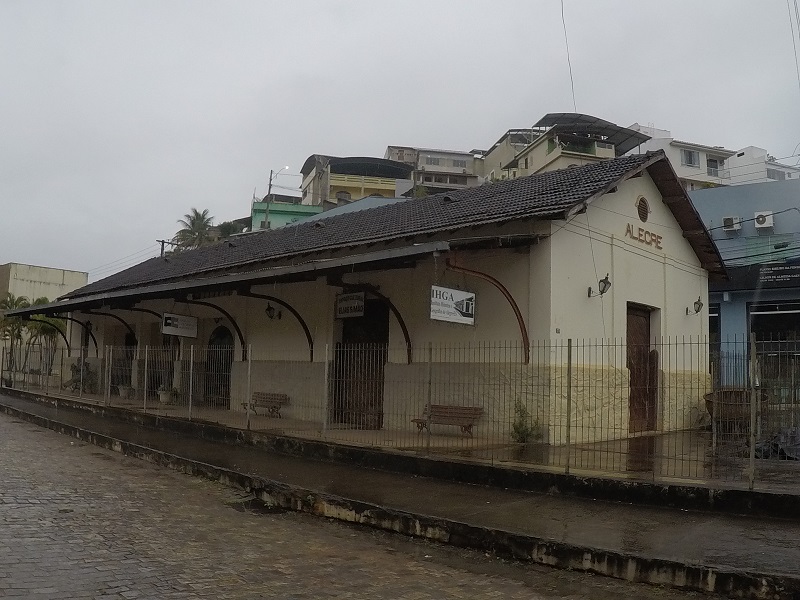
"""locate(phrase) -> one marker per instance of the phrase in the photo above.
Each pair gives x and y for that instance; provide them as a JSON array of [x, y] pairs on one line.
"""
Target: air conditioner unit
[[763, 219], [731, 223]]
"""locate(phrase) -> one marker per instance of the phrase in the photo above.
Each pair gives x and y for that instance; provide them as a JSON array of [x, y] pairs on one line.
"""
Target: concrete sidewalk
[[730, 554]]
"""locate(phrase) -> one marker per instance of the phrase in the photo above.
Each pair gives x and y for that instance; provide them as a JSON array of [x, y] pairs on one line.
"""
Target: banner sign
[[350, 305], [454, 306], [181, 325], [779, 275]]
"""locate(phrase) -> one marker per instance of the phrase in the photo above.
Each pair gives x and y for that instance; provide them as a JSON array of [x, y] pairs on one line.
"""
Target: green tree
[[11, 328], [44, 331], [196, 229], [420, 191], [229, 228]]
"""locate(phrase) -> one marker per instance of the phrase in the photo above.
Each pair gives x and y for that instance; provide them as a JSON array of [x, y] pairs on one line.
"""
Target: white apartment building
[[756, 165], [700, 166]]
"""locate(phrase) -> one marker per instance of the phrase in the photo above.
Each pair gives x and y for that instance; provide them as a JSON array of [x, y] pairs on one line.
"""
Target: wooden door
[[358, 370], [643, 366]]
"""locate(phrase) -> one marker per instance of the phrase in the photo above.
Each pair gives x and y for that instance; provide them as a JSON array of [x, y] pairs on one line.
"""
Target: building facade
[[366, 295], [757, 230], [330, 180], [698, 166], [559, 141], [39, 282], [756, 165], [278, 210], [439, 170]]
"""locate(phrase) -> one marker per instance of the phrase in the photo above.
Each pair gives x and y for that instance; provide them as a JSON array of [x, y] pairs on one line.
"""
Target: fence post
[[80, 382], [569, 402], [144, 383], [191, 378], [3, 367], [327, 384], [108, 371], [429, 399], [753, 408], [61, 372], [248, 389]]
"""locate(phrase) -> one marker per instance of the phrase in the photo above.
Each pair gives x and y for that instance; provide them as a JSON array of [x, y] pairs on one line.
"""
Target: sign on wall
[[350, 305], [181, 325], [454, 306], [779, 275]]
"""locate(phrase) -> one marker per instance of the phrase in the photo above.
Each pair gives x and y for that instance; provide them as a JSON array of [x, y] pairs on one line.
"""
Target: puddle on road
[[252, 505], [102, 456]]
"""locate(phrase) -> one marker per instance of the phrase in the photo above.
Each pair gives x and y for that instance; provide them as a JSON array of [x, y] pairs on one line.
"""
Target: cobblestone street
[[80, 522]]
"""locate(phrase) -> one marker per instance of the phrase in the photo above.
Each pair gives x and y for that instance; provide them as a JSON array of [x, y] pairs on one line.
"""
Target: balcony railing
[[717, 172]]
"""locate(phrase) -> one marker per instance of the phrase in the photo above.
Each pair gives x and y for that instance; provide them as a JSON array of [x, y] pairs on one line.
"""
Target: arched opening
[[219, 359]]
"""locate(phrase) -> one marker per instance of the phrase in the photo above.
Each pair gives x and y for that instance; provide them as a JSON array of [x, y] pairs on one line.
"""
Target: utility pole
[[163, 243], [269, 187]]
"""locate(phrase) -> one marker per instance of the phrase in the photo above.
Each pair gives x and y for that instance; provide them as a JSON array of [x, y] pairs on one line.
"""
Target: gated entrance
[[358, 368], [643, 366], [219, 359]]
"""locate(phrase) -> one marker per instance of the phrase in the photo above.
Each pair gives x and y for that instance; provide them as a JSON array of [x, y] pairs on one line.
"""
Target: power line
[[794, 42], [569, 62], [138, 252]]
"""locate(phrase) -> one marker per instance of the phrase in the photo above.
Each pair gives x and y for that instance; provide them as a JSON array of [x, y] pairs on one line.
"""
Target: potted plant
[[164, 394], [125, 391]]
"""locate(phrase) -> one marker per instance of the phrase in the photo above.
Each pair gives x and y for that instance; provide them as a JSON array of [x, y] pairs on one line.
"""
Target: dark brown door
[[358, 370], [643, 365]]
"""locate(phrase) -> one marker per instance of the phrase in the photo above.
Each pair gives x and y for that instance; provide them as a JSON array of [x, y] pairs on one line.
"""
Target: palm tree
[[196, 229], [11, 327], [43, 331]]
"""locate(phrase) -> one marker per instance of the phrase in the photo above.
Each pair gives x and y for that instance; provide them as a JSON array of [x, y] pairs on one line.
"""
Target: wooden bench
[[449, 414], [270, 401]]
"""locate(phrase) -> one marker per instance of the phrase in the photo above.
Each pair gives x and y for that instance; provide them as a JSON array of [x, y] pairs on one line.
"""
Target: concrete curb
[[685, 496], [506, 544]]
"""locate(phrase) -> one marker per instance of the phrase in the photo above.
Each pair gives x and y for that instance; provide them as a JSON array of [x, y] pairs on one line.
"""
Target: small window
[[460, 163], [343, 195], [431, 160], [525, 163], [428, 178], [690, 158], [776, 174], [440, 179], [643, 208]]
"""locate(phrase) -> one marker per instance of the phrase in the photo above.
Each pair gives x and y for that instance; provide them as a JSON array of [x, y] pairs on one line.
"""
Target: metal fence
[[675, 409]]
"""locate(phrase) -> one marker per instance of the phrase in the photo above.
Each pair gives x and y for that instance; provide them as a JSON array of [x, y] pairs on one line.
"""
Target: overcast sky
[[118, 117]]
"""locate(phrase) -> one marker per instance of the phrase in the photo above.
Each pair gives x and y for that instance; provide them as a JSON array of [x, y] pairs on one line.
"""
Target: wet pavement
[[730, 542], [81, 522]]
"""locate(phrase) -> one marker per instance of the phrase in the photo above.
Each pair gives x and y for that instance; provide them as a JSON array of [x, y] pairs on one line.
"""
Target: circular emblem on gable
[[643, 208]]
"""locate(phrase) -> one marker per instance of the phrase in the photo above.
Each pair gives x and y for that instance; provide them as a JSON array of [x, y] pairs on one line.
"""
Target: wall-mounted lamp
[[696, 307], [602, 287], [272, 313]]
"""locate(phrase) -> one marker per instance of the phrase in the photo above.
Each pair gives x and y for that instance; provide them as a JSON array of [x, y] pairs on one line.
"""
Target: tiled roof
[[546, 195]]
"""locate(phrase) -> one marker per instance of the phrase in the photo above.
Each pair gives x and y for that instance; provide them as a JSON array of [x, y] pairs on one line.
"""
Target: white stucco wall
[[36, 282]]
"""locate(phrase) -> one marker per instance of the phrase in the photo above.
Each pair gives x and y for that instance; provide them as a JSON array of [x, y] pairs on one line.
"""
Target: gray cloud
[[119, 117]]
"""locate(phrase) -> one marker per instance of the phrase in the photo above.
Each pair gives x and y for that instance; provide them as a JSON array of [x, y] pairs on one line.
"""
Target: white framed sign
[[181, 325], [454, 306], [350, 305]]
